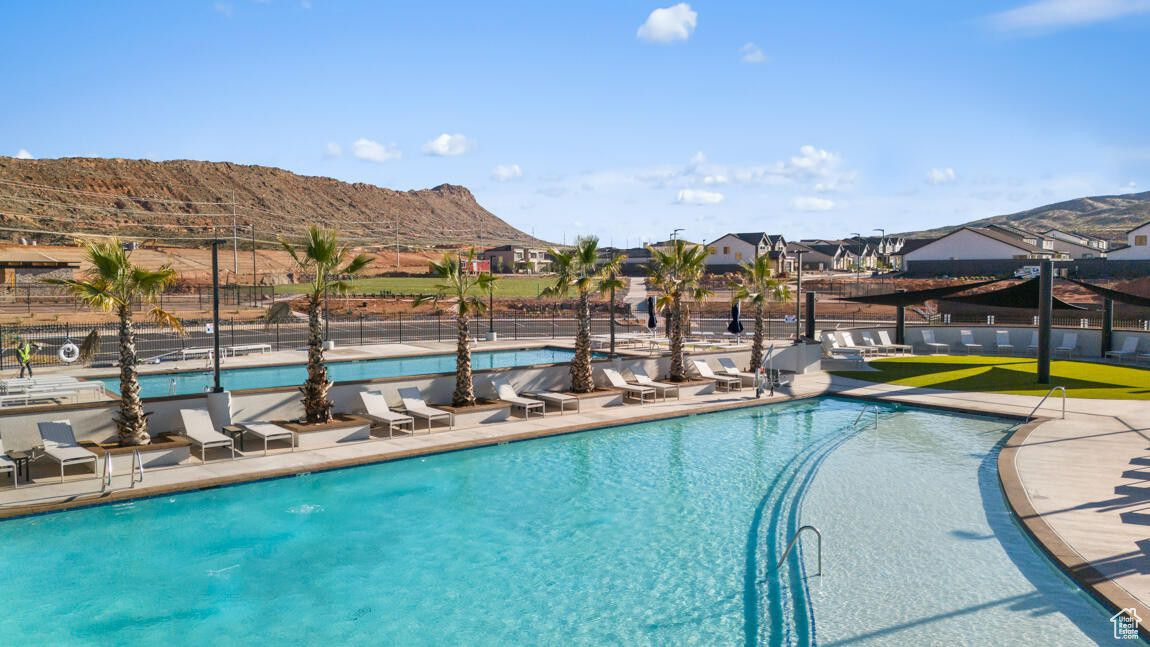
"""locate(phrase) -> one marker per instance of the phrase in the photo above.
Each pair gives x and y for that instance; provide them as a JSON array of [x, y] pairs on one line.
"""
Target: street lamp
[[858, 259], [675, 234], [882, 236]]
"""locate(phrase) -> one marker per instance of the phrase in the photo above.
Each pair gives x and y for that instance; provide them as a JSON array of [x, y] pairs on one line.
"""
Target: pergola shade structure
[[903, 298], [1023, 295]]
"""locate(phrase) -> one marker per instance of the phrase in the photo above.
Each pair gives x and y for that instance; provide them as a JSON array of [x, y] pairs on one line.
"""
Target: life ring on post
[[68, 352]]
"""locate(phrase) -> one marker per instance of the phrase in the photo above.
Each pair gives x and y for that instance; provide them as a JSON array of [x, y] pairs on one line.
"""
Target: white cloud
[[695, 197], [223, 8], [751, 53], [449, 145], [23, 154], [1055, 14], [373, 151], [669, 24], [809, 203], [941, 176], [506, 172], [333, 150]]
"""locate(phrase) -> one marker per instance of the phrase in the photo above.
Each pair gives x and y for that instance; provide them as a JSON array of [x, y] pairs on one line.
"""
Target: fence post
[[401, 327], [2, 349], [552, 324], [277, 335], [515, 324], [438, 326], [232, 330], [361, 330]]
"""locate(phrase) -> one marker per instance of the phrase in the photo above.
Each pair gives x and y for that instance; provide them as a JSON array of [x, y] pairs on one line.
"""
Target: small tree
[[466, 291], [578, 270], [757, 284], [112, 284], [677, 272], [322, 257]]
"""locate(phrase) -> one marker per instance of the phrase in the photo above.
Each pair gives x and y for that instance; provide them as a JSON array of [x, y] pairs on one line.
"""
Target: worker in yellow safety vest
[[24, 354]]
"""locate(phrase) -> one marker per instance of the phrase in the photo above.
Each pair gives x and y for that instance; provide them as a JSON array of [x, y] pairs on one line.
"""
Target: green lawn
[[507, 286], [1009, 375]]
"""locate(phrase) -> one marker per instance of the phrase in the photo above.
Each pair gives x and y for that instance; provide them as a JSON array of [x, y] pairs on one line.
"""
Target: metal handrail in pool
[[1043, 400], [869, 407], [795, 539]]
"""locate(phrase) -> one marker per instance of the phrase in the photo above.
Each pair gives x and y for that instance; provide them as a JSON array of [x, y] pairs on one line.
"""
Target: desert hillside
[[175, 202]]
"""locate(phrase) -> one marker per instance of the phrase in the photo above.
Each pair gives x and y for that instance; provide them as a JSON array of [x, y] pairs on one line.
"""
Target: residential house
[[1076, 245], [728, 252], [824, 256], [978, 243], [1137, 246], [1028, 237], [507, 259]]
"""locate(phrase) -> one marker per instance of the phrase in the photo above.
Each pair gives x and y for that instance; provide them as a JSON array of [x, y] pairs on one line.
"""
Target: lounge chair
[[560, 400], [727, 366], [837, 349], [375, 409], [633, 391], [1033, 345], [966, 338], [507, 393], [725, 381], [8, 465], [199, 429], [1129, 349], [848, 341], [661, 388], [267, 431], [931, 344], [60, 445], [884, 340], [1069, 344], [1002, 341], [414, 404]]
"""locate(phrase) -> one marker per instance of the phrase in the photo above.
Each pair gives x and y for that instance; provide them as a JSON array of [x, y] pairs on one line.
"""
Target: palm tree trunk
[[581, 380], [678, 361], [131, 424], [464, 394], [316, 405], [757, 342]]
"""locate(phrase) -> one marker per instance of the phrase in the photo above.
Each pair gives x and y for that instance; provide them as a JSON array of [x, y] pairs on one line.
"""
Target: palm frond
[[279, 312], [90, 346]]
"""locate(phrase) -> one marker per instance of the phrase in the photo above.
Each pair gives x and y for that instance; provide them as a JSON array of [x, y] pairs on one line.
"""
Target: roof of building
[[994, 234], [1138, 227], [911, 244]]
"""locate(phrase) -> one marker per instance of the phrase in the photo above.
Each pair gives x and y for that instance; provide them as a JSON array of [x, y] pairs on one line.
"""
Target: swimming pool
[[187, 383], [663, 532]]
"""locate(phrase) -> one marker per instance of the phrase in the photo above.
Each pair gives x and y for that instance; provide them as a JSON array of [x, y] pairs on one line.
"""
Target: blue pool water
[[187, 383], [657, 533]]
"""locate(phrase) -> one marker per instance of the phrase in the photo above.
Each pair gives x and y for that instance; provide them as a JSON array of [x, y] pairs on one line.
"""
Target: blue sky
[[622, 118]]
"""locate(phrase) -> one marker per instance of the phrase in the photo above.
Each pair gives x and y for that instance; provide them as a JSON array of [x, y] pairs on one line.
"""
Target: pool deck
[[1080, 485]]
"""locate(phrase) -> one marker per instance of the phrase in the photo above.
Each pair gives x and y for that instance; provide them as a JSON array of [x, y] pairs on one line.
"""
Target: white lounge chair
[[1129, 349], [725, 381], [507, 393], [837, 350], [8, 465], [375, 409], [661, 388], [1033, 345], [727, 366], [1002, 341], [560, 400], [267, 431], [1069, 344], [931, 344], [199, 429], [848, 341], [414, 405], [60, 445], [634, 391], [884, 340], [966, 338]]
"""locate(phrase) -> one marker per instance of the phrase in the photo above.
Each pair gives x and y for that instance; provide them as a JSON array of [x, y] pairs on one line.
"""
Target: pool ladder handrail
[[795, 539], [1038, 406], [137, 472], [869, 407]]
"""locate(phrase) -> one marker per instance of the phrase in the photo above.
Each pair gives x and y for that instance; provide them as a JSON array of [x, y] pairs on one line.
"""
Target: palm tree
[[112, 284], [322, 257], [466, 290], [578, 270], [757, 283], [677, 271]]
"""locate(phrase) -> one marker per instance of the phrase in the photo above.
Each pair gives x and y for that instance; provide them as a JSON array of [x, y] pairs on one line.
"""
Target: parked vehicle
[[1027, 272]]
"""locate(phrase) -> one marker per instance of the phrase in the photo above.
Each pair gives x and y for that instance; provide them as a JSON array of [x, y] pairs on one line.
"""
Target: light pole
[[675, 234], [216, 387]]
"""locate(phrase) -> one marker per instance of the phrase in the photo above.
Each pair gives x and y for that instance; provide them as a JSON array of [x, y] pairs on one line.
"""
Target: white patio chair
[[1069, 344], [930, 343], [200, 430], [375, 409], [1129, 349], [725, 381], [966, 338], [60, 445], [633, 391], [415, 405], [1002, 341]]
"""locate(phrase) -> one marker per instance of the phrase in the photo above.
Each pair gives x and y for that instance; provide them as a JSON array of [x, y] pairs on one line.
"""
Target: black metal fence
[[155, 344]]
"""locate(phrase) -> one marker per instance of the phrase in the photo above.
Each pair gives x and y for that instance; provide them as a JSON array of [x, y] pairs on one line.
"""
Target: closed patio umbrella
[[652, 322], [736, 326]]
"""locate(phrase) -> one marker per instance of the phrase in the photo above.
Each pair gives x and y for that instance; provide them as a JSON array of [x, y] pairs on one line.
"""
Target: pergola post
[[1107, 326], [900, 324], [810, 315], [1045, 312]]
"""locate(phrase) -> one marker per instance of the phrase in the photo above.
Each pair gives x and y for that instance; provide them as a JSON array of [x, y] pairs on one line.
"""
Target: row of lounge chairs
[[843, 345], [24, 391]]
